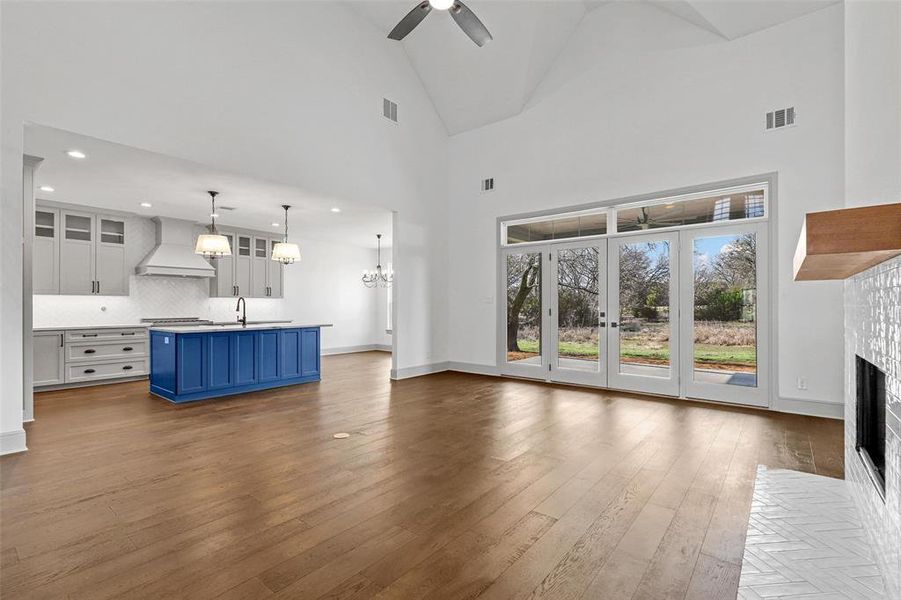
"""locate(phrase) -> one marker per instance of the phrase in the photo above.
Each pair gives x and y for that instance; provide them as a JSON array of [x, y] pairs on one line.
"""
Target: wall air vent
[[777, 119], [389, 110], [488, 184]]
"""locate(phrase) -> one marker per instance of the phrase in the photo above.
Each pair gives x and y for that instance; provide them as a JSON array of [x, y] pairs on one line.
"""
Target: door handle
[[90, 351]]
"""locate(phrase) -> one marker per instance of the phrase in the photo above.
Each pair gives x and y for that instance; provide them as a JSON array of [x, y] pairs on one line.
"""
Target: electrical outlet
[[802, 383]]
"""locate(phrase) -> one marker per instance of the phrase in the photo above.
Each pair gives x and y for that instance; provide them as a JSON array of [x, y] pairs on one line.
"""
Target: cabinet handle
[[91, 351], [127, 367], [98, 286], [61, 338], [88, 335], [89, 371], [129, 333], [93, 286], [127, 349]]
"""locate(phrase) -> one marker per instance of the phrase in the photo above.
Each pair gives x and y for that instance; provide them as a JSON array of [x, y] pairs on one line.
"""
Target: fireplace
[[871, 421]]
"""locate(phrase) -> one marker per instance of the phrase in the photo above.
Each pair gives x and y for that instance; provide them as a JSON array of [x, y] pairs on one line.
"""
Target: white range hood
[[173, 255]]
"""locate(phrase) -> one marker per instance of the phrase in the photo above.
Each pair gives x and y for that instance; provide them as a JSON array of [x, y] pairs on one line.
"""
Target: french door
[[679, 313]]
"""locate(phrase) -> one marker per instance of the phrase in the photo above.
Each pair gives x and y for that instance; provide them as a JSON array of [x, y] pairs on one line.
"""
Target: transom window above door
[[743, 203]]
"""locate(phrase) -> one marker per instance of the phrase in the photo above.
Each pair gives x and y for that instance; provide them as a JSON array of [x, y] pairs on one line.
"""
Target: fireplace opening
[[871, 421]]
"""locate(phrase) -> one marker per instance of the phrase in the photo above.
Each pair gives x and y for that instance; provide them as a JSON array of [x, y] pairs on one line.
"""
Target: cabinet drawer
[[128, 349], [87, 335], [88, 372]]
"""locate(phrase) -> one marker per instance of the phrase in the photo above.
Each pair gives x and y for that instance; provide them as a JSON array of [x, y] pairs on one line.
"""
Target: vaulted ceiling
[[535, 41]]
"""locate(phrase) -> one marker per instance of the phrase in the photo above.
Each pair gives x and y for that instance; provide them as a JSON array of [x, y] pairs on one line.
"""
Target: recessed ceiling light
[[336, 210], [146, 204], [275, 224], [47, 188], [76, 154]]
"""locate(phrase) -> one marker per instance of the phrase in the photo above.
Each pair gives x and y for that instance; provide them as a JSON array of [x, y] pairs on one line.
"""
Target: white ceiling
[[471, 86], [118, 177]]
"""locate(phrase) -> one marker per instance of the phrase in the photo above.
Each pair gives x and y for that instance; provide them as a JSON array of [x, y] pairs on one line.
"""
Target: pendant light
[[212, 245], [285, 252], [378, 278]]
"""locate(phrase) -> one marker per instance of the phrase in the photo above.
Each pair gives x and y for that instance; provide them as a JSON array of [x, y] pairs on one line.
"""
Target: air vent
[[226, 208], [777, 119], [389, 109], [488, 184]]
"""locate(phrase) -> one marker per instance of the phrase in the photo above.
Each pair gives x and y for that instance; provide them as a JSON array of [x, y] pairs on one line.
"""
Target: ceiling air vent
[[389, 109], [488, 184], [784, 117]]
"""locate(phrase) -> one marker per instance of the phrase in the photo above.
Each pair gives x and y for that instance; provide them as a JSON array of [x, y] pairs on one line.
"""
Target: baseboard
[[418, 371], [474, 368], [12, 442], [813, 408], [352, 349]]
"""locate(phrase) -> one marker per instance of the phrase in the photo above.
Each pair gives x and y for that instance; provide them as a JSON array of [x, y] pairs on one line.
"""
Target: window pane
[[577, 309], [725, 309], [644, 329], [725, 207], [560, 228], [524, 308]]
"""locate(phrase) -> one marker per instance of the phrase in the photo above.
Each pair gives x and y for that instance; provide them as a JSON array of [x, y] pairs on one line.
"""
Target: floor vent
[[488, 184], [777, 119], [389, 110]]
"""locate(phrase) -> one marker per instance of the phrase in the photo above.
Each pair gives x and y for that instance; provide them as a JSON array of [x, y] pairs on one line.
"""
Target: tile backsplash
[[149, 297], [873, 331]]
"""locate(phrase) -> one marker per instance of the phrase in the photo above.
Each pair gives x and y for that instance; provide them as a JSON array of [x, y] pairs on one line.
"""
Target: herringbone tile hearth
[[806, 540]]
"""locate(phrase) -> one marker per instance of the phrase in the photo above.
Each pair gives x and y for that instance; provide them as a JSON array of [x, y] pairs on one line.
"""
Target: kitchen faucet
[[243, 318]]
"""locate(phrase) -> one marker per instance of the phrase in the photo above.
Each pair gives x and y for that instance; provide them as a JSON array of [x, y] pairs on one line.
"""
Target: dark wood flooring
[[450, 486]]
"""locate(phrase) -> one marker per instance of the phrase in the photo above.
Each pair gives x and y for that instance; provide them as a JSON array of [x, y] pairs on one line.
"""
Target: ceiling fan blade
[[409, 22], [470, 24]]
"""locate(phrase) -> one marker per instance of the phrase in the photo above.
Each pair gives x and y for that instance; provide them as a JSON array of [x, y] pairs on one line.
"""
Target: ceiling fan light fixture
[[441, 4]]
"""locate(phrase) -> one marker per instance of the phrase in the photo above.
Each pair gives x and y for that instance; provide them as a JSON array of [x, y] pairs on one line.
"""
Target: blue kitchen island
[[208, 361]]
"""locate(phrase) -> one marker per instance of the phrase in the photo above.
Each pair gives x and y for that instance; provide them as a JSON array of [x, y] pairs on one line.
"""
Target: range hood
[[173, 255]]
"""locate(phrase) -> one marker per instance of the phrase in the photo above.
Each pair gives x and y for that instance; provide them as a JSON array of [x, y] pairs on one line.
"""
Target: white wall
[[872, 102], [285, 92], [613, 120]]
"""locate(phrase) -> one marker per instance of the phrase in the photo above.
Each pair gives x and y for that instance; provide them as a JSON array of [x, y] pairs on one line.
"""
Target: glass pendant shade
[[286, 252], [212, 245]]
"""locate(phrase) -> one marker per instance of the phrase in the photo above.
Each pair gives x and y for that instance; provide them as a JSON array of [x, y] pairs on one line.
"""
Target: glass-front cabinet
[[79, 253]]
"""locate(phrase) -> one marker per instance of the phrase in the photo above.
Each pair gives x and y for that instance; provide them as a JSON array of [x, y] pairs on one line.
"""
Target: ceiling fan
[[465, 18]]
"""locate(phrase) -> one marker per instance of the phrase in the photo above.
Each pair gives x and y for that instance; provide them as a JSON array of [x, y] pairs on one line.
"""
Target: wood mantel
[[836, 244]]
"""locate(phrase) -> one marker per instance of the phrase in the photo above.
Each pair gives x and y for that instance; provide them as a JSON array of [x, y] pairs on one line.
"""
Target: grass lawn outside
[[709, 355]]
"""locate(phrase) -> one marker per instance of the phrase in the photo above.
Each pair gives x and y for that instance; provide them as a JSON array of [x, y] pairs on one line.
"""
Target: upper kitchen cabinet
[[79, 253], [250, 270], [45, 266]]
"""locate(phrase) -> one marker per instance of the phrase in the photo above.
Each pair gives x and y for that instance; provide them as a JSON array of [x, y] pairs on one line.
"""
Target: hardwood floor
[[450, 486]]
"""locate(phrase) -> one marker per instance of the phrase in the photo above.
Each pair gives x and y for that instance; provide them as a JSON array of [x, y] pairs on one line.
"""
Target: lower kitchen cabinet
[[49, 358], [196, 366], [78, 356]]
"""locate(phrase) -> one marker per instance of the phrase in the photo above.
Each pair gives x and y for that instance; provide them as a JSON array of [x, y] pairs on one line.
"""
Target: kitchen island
[[208, 361]]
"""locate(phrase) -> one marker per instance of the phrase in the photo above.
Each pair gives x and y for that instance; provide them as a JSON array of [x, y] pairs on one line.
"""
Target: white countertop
[[235, 327], [71, 327]]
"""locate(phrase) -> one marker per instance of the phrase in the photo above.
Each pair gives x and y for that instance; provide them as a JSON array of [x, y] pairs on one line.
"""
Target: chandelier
[[378, 277], [212, 244]]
